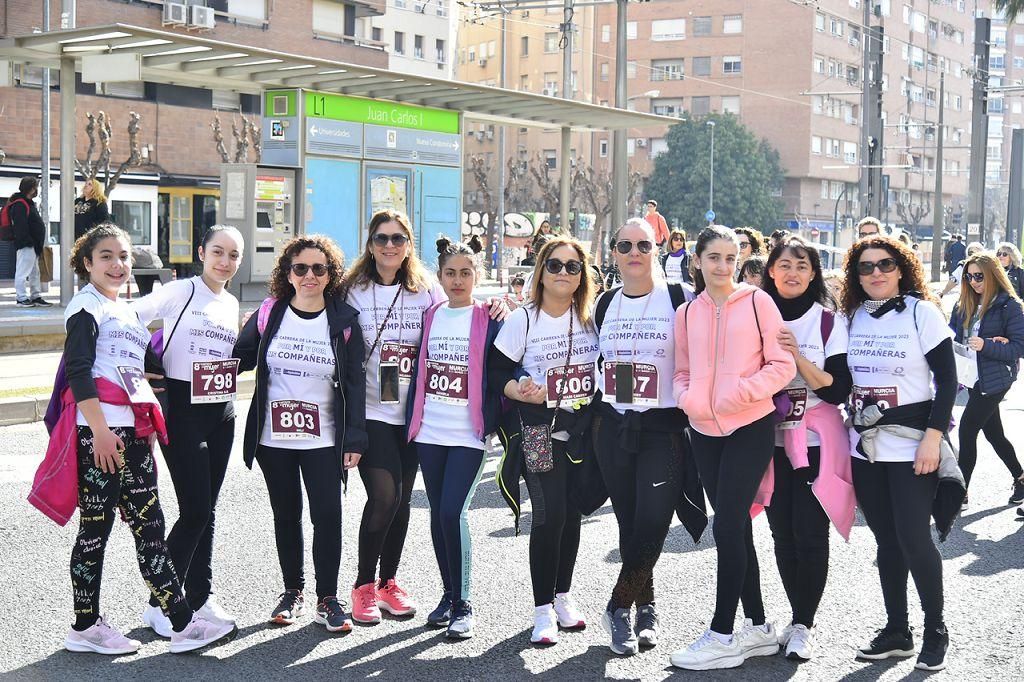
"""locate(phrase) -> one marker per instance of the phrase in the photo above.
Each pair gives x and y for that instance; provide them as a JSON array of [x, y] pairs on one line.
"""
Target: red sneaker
[[364, 604], [395, 600]]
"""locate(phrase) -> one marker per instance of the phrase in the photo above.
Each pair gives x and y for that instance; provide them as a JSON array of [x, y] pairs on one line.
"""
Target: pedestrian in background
[[751, 243], [675, 262], [29, 239], [988, 319], [657, 223], [778, 238], [90, 207], [1009, 257], [957, 273], [955, 252], [752, 271], [869, 226]]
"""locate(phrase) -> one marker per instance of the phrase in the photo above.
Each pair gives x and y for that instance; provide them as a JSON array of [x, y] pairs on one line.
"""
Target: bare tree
[[519, 190], [595, 192], [100, 126], [913, 213], [244, 137], [481, 173]]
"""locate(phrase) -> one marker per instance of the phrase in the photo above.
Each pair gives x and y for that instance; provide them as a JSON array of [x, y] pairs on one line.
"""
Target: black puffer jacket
[[88, 214], [29, 230]]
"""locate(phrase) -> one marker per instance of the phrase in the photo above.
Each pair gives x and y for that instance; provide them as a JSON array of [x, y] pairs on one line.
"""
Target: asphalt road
[[983, 566]]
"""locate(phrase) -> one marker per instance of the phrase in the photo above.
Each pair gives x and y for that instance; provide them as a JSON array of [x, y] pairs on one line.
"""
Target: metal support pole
[[938, 224], [67, 176], [566, 160], [565, 181], [711, 181], [44, 147], [979, 131], [1015, 203], [620, 168], [865, 108], [498, 228]]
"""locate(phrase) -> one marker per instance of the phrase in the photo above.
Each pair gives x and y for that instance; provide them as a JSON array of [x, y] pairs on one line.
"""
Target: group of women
[[651, 394]]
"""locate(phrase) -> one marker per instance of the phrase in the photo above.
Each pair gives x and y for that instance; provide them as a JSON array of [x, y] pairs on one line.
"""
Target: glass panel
[[134, 217]]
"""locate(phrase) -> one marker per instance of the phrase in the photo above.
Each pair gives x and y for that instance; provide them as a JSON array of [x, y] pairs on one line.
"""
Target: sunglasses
[[975, 276], [398, 239], [300, 269], [866, 267], [625, 246], [1003, 254], [554, 266]]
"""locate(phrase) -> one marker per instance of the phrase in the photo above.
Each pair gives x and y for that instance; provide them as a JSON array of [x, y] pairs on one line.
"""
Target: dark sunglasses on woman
[[624, 246], [976, 276], [866, 267], [397, 239], [554, 266], [300, 269]]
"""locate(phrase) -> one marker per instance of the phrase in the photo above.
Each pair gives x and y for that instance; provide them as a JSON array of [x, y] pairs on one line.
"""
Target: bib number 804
[[445, 384]]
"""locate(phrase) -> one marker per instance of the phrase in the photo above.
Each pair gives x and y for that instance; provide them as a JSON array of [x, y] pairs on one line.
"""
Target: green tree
[[1011, 9], [748, 175]]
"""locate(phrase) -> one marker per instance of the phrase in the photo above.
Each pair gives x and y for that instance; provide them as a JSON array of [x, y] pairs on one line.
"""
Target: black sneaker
[[889, 643], [41, 302], [1020, 511], [331, 613], [933, 649], [647, 627], [290, 606], [25, 303], [440, 616], [1018, 492]]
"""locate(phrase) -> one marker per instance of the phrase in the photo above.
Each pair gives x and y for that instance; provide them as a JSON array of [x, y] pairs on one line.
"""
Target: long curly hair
[[279, 285], [84, 246], [911, 272], [412, 274]]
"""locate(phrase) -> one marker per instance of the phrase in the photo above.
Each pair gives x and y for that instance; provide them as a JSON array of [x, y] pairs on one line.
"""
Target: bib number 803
[[296, 420]]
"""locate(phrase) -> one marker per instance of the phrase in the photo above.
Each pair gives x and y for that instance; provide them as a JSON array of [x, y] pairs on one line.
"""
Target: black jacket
[[88, 214], [29, 230], [349, 383], [1016, 275]]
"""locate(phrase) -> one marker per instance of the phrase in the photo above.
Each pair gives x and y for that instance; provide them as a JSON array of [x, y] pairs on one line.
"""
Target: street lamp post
[[711, 184]]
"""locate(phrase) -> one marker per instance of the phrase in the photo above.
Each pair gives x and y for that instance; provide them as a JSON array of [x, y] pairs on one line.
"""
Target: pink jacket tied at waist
[[834, 485], [55, 487]]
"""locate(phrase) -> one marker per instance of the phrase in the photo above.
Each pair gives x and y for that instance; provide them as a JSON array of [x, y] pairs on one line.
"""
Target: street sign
[[709, 216]]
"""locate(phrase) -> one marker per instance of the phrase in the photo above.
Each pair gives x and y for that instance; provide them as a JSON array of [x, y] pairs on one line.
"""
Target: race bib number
[[294, 420], [215, 381], [797, 408], [645, 384], [574, 383], [447, 383], [402, 355], [134, 381], [883, 396]]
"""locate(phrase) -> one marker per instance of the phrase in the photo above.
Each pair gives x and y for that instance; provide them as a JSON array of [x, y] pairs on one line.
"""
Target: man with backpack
[[21, 220]]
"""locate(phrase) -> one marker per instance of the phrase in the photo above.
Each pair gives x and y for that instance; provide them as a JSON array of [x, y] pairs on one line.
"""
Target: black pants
[[388, 471], [982, 414], [800, 531], [320, 472], [197, 454], [731, 468], [554, 528], [897, 505], [644, 488], [132, 489]]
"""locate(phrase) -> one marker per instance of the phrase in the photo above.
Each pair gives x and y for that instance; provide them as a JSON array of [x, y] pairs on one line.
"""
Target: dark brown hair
[[281, 288], [706, 236], [755, 237], [411, 275], [911, 272], [583, 297], [86, 244]]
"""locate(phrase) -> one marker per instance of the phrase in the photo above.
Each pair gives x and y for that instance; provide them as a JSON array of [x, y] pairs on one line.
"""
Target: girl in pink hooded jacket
[[729, 364]]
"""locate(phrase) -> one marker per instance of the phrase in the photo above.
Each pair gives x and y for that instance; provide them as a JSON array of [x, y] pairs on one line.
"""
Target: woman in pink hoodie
[[724, 380]]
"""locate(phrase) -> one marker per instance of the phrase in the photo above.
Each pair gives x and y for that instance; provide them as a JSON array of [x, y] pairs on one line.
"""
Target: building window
[[551, 42], [630, 30], [732, 23], [417, 47], [604, 71], [440, 51], [668, 106], [376, 33], [819, 21], [668, 29], [666, 69], [399, 47], [631, 69], [731, 64], [835, 26], [700, 106], [524, 46], [227, 100], [816, 145], [550, 159], [702, 26], [702, 66], [134, 218], [818, 64], [492, 48], [824, 189], [551, 83], [602, 149], [606, 33], [631, 146], [659, 145], [731, 105]]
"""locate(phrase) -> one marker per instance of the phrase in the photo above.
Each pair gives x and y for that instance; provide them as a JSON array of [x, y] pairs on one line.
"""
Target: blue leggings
[[450, 475]]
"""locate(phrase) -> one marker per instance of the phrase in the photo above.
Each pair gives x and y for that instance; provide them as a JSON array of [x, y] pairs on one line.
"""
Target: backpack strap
[[263, 315], [828, 321], [602, 306], [757, 320], [677, 295], [167, 341]]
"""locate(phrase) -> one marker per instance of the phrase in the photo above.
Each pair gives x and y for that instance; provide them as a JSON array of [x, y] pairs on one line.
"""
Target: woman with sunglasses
[[751, 243], [989, 321], [306, 420], [729, 363], [675, 263], [1009, 258], [899, 348], [551, 344], [638, 430]]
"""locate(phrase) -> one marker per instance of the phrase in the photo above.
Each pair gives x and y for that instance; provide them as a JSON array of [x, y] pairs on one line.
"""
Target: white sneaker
[[801, 644], [709, 653], [569, 616], [213, 612], [545, 625], [100, 638], [758, 640], [157, 621], [785, 634], [198, 634]]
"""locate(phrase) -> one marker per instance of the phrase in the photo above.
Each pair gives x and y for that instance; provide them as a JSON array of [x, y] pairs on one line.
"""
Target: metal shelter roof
[[204, 63]]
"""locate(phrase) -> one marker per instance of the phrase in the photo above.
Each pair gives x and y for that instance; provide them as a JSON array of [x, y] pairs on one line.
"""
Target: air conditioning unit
[[201, 17], [175, 14], [490, 133], [551, 92], [483, 61], [641, 142]]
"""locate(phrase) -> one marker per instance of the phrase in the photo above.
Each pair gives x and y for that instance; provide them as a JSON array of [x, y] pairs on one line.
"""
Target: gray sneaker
[[617, 624], [461, 624], [647, 627]]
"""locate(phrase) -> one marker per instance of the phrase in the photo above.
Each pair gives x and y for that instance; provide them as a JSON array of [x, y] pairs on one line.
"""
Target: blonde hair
[[97, 190], [583, 297], [971, 303], [1012, 250], [412, 274]]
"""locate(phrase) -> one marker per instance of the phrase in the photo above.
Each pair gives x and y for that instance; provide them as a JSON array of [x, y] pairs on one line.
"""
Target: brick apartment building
[[1005, 112]]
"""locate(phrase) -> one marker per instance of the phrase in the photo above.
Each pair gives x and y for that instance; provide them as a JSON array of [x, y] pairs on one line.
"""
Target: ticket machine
[[261, 202]]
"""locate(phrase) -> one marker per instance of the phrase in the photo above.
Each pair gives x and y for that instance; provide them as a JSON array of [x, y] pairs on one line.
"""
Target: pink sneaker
[[395, 600], [364, 604]]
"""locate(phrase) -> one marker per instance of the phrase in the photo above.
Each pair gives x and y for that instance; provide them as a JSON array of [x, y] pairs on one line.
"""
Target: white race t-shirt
[[400, 340], [807, 330], [301, 365], [121, 342], [642, 331], [674, 268], [540, 342], [888, 364], [446, 418], [207, 330]]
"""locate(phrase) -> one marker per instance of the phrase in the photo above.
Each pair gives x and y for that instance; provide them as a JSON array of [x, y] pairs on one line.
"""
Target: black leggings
[[554, 528], [982, 414], [388, 470], [731, 468], [644, 488], [133, 491], [197, 459], [897, 505], [800, 530], [320, 471]]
